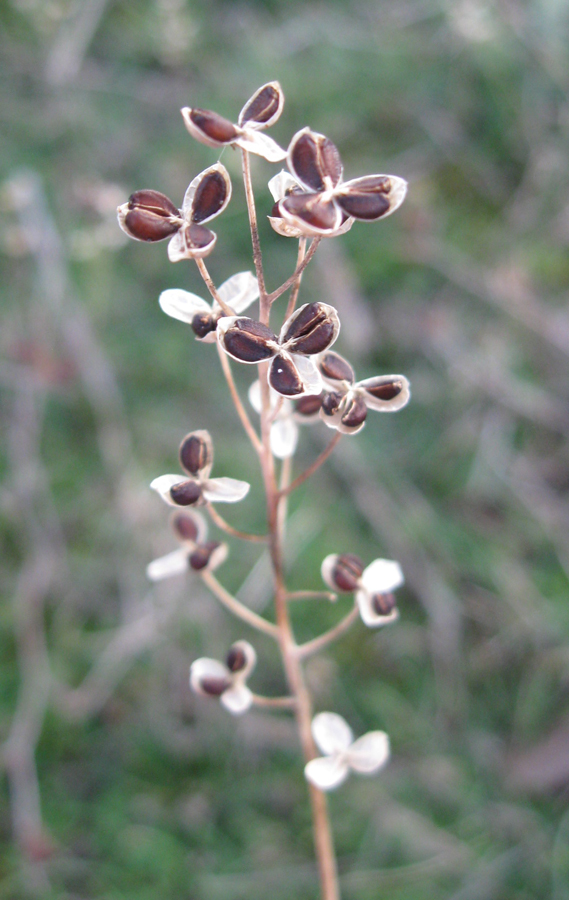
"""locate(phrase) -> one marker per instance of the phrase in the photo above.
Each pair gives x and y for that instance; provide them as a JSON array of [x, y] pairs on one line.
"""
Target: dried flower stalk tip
[[212, 678], [260, 111], [149, 216]]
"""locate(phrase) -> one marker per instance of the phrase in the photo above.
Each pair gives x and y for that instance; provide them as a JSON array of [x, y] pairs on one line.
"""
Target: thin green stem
[[229, 529], [274, 295], [237, 608]]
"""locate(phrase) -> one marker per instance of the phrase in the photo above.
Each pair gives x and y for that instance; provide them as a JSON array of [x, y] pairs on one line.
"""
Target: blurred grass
[[145, 790]]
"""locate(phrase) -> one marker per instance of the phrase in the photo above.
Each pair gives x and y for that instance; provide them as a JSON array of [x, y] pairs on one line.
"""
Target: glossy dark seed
[[198, 236], [236, 659], [386, 390], [195, 453], [347, 572], [147, 226], [214, 686], [202, 555], [335, 367], [214, 126], [203, 324], [185, 527], [315, 158], [262, 106], [310, 208], [153, 201], [383, 604], [331, 402], [309, 405], [355, 412], [210, 195], [186, 493], [284, 378], [366, 207], [249, 341]]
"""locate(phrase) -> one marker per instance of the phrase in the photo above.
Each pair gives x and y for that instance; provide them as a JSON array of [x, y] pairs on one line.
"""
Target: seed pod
[[245, 339], [313, 214], [334, 367], [149, 216], [386, 393], [371, 197], [202, 555], [196, 453], [264, 107], [383, 604], [314, 160], [203, 324], [186, 493], [311, 329], [331, 402], [355, 412], [187, 526], [309, 406], [284, 377], [208, 127], [212, 686], [342, 572]]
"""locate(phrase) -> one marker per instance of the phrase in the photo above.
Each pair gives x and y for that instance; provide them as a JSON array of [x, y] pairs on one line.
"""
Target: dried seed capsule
[[196, 452], [331, 402], [213, 686], [318, 213], [186, 493], [284, 377], [315, 160], [383, 604], [185, 527], [149, 216], [210, 195], [236, 659], [336, 368], [385, 390], [308, 406], [201, 556], [312, 329], [203, 324], [355, 412], [247, 340], [209, 127], [264, 107], [342, 572], [364, 206]]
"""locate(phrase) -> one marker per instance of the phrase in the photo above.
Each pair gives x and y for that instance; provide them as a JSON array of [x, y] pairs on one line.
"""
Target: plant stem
[[323, 640], [315, 465], [298, 271], [241, 411], [212, 289], [274, 702], [312, 595], [294, 293], [237, 608], [229, 529], [257, 256]]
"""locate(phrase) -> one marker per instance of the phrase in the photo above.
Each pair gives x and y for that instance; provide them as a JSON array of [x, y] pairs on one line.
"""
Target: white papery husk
[[327, 772], [280, 186], [378, 405], [207, 668], [174, 563], [382, 576], [334, 738], [237, 699], [284, 430], [214, 490], [238, 292]]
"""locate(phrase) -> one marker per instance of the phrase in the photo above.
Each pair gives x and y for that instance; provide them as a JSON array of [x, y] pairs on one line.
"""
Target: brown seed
[[195, 453], [355, 412], [284, 378], [385, 390], [309, 405], [383, 604], [214, 686], [210, 195], [203, 324], [315, 159], [186, 493], [185, 527], [319, 214], [262, 107], [214, 126], [249, 341], [331, 402], [335, 367], [236, 659], [311, 330], [367, 207], [149, 216], [347, 572], [202, 555]]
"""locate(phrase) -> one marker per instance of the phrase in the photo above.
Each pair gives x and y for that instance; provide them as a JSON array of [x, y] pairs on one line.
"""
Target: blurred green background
[[118, 783]]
